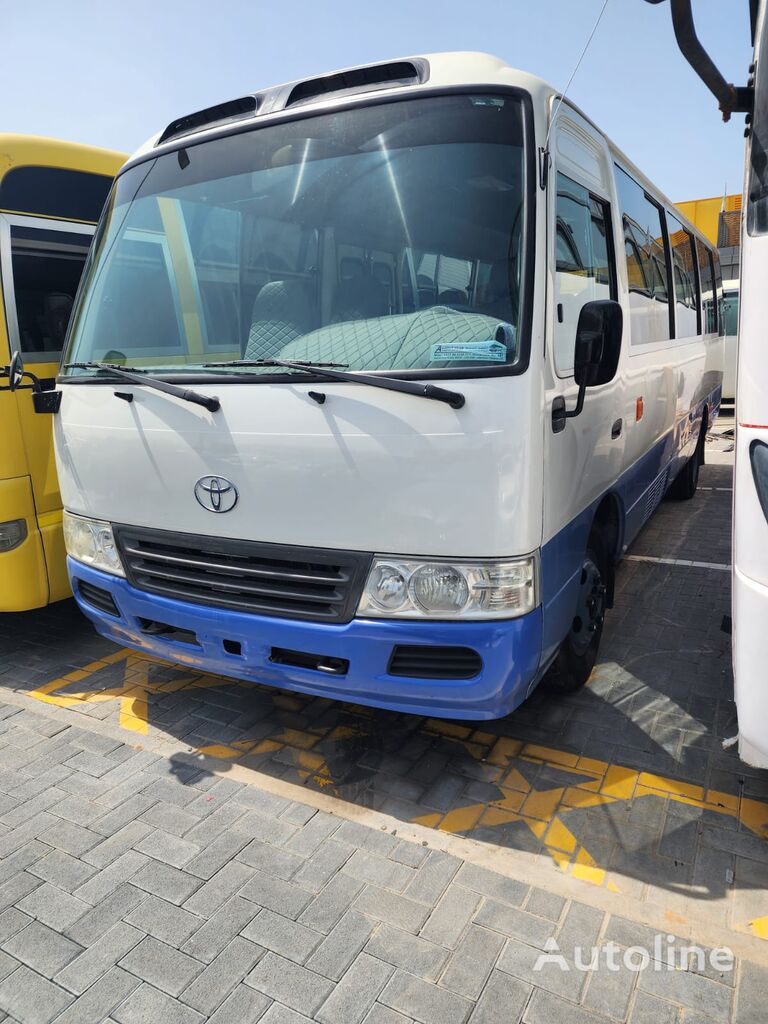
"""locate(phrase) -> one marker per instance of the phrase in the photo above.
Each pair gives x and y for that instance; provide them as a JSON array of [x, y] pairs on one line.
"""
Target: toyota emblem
[[216, 494]]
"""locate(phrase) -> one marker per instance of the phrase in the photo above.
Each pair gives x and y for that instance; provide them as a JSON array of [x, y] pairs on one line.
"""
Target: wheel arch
[[608, 523], [703, 430]]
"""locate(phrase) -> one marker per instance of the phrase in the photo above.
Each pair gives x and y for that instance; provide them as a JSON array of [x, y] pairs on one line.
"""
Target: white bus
[[750, 525], [372, 379], [750, 505]]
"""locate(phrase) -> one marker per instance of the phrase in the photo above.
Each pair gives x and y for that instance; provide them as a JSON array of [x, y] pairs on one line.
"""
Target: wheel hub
[[590, 607]]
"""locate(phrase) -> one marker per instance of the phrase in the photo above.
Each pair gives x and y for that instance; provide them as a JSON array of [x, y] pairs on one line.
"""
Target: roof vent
[[356, 80], [211, 117]]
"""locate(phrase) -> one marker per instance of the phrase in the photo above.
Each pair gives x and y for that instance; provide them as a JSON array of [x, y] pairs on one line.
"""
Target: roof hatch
[[363, 79], [211, 117]]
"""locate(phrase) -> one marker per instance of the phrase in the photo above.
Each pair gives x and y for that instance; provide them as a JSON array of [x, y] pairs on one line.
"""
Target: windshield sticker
[[469, 351]]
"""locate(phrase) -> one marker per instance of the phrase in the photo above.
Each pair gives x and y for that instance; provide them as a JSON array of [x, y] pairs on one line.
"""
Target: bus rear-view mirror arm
[[596, 354], [731, 98]]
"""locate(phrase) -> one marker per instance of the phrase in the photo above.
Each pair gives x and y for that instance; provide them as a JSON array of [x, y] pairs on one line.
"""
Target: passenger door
[[583, 459]]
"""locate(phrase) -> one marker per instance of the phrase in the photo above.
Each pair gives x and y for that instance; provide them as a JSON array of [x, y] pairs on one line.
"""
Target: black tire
[[684, 486], [578, 652]]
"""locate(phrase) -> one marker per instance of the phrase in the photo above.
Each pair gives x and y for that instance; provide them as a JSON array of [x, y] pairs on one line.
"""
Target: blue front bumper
[[510, 650]]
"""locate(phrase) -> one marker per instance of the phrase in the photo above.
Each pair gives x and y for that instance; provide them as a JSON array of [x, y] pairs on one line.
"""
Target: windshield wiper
[[275, 362], [409, 387], [137, 375]]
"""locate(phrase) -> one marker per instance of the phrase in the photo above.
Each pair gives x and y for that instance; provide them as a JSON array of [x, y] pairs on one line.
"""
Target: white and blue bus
[[372, 379], [750, 499], [750, 506]]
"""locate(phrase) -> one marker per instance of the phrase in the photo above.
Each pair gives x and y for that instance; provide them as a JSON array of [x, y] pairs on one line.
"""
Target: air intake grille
[[266, 579], [420, 661], [211, 117], [365, 79], [99, 598]]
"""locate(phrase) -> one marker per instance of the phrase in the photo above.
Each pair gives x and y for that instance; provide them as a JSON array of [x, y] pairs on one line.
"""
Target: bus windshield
[[382, 237]]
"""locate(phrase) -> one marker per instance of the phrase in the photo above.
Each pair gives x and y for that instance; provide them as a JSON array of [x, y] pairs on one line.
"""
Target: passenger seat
[[453, 297], [358, 296], [282, 311]]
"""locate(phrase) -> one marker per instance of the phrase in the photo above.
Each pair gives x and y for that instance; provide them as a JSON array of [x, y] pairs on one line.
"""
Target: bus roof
[[35, 150], [43, 177], [398, 77], [328, 90]]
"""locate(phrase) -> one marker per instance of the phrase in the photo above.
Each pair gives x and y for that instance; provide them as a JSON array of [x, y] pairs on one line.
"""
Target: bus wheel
[[684, 485], [578, 652]]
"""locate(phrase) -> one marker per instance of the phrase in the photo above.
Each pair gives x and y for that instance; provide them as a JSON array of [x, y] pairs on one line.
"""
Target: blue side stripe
[[638, 491]]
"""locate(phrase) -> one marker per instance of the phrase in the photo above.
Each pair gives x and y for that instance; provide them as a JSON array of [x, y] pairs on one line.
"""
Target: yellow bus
[[51, 195]]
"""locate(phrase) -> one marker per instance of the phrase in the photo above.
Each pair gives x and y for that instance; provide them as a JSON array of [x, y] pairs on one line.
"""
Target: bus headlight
[[411, 589], [12, 534], [92, 542]]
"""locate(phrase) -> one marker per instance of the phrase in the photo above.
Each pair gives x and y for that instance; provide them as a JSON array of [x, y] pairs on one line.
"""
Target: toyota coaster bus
[[51, 195], [371, 380]]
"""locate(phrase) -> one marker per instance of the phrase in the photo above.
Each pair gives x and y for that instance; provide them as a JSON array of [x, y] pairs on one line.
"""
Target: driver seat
[[282, 312]]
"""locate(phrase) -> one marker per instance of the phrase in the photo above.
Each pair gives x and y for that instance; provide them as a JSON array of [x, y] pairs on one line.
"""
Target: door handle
[[616, 429]]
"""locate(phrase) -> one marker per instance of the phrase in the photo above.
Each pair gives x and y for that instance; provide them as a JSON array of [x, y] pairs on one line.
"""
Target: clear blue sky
[[112, 73]]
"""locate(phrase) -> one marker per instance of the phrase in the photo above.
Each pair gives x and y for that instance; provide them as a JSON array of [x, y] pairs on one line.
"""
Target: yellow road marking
[[133, 691], [619, 782]]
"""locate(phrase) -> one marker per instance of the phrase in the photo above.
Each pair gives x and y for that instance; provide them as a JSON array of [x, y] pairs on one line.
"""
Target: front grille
[[266, 579], [420, 661], [97, 597]]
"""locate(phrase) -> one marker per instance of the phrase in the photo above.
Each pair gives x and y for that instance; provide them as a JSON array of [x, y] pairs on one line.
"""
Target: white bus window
[[583, 263], [134, 309], [684, 270], [730, 313], [708, 296], [214, 242], [313, 217], [718, 290], [443, 280], [645, 252]]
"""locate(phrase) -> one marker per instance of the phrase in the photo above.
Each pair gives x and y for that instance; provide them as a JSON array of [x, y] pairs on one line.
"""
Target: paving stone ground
[[138, 886], [248, 906]]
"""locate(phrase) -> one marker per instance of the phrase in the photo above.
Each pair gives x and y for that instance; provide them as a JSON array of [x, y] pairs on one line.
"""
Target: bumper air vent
[[357, 80], [98, 598], [319, 584], [317, 662], [167, 632], [420, 661]]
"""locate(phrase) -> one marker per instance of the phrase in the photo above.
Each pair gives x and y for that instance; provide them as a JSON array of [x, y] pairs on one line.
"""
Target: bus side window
[[684, 270], [584, 265], [708, 295], [46, 266], [718, 292], [730, 313], [645, 249]]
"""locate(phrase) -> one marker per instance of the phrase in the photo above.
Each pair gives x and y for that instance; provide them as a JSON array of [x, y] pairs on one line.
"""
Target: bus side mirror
[[14, 372], [598, 343], [596, 355], [43, 401]]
